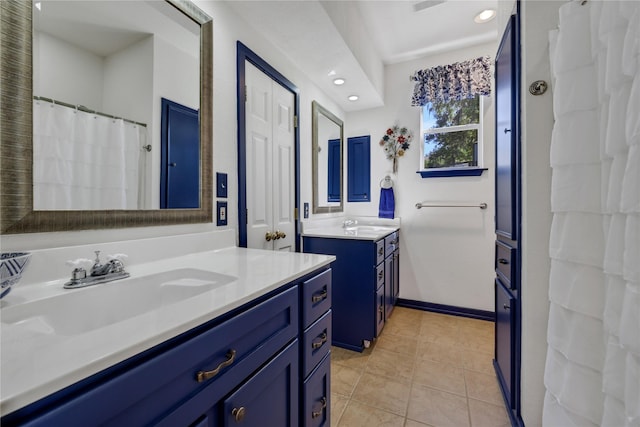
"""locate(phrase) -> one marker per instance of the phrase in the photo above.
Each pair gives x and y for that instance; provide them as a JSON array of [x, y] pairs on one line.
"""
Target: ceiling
[[355, 39]]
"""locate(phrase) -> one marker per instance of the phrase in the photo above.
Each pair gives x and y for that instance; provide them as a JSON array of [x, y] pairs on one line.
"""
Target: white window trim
[[475, 126]]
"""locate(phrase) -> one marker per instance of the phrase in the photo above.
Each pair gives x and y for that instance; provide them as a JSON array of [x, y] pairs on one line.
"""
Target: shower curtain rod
[[86, 110], [420, 205]]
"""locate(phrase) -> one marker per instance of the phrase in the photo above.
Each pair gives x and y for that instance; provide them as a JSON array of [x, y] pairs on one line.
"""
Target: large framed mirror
[[32, 41], [327, 144]]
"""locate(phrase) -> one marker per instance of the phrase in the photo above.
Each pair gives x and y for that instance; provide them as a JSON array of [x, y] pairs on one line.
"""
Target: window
[[451, 134]]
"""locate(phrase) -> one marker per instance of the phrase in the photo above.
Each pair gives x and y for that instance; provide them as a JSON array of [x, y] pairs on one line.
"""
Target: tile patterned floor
[[425, 369]]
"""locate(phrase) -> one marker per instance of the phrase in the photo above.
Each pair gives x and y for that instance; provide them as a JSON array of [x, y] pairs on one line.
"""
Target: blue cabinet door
[[316, 400], [388, 286], [268, 398], [505, 340], [507, 135], [359, 169]]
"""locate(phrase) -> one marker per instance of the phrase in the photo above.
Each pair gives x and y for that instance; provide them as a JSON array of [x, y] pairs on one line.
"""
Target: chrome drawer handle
[[320, 296], [503, 261], [380, 274], [380, 251], [316, 414], [205, 375], [506, 307], [317, 344]]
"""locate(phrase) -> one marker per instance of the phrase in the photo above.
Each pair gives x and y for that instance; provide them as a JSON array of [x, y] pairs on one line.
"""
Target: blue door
[[180, 157]]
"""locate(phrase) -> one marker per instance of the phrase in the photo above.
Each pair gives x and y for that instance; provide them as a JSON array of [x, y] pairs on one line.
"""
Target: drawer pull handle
[[316, 414], [320, 296], [317, 344], [506, 307], [380, 251], [238, 414], [380, 274], [503, 261], [205, 375]]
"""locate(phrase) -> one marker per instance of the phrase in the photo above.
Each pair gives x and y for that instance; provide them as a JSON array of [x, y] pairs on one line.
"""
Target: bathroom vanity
[[366, 276], [252, 349]]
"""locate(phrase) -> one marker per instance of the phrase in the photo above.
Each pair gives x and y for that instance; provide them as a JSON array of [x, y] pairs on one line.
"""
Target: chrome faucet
[[99, 273]]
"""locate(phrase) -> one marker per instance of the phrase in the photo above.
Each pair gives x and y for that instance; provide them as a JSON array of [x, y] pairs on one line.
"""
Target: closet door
[[270, 140]]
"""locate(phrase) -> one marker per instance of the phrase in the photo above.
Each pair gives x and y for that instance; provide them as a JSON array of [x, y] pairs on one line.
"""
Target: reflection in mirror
[[20, 82], [100, 69], [327, 137]]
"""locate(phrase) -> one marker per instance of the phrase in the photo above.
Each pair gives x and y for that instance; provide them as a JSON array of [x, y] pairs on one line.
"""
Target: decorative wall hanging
[[457, 81], [395, 142]]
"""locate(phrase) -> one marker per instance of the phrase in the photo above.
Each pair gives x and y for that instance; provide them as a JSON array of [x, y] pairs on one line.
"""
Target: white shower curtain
[[592, 372], [83, 160]]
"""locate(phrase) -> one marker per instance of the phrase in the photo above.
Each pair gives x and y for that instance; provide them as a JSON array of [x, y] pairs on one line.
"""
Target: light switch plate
[[221, 214], [221, 185], [306, 210]]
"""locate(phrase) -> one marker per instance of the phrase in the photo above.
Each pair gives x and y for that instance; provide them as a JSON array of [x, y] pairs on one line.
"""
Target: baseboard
[[447, 309]]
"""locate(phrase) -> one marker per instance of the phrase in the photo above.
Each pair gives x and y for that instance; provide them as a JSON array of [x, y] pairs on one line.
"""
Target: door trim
[[246, 54]]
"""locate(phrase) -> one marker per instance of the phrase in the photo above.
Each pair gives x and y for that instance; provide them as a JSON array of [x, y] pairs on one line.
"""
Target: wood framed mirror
[[327, 146], [17, 213]]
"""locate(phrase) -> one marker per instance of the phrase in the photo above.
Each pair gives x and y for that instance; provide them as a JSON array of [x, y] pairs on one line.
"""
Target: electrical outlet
[[222, 214]]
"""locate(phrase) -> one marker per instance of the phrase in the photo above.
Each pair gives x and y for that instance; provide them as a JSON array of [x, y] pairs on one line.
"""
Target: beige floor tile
[[437, 408], [487, 415], [483, 387], [478, 361], [338, 404], [412, 423], [351, 359], [478, 342], [344, 380], [360, 415], [441, 376], [383, 393], [441, 333], [397, 343], [404, 329], [438, 352], [392, 365]]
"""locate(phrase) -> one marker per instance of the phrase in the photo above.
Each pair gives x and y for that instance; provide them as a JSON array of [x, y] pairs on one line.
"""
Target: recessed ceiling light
[[353, 97], [485, 16], [332, 73], [339, 81]]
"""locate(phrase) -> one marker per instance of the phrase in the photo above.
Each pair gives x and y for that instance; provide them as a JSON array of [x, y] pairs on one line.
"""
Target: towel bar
[[420, 205]]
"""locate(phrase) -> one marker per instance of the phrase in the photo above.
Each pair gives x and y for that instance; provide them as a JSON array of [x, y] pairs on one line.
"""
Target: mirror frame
[[317, 109], [16, 137]]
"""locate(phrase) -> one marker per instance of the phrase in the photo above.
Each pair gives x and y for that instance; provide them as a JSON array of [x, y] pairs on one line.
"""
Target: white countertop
[[37, 363], [356, 233]]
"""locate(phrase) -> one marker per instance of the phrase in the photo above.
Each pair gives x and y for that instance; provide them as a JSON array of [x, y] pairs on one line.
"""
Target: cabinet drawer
[[390, 243], [316, 342], [505, 263], [505, 339], [379, 251], [379, 275], [316, 396], [316, 297], [254, 335]]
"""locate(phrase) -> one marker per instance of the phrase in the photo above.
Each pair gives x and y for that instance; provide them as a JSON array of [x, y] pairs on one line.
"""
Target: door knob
[[270, 236], [280, 234]]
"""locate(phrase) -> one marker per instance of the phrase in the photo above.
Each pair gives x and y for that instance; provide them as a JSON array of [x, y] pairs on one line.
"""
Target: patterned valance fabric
[[457, 81]]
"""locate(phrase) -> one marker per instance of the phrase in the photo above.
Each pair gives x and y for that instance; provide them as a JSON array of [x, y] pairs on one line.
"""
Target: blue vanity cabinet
[[392, 272], [359, 288], [243, 366], [316, 329]]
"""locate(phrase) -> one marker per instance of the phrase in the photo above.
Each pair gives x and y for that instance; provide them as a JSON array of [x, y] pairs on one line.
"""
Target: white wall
[[538, 18], [66, 73], [446, 253]]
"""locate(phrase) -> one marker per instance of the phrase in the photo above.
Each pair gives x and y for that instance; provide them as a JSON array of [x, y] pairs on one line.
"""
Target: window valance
[[457, 81]]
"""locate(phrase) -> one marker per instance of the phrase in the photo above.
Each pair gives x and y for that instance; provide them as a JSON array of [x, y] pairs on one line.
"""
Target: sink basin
[[101, 305]]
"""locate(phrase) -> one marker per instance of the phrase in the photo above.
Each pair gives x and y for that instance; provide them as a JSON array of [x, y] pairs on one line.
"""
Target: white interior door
[[270, 137]]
